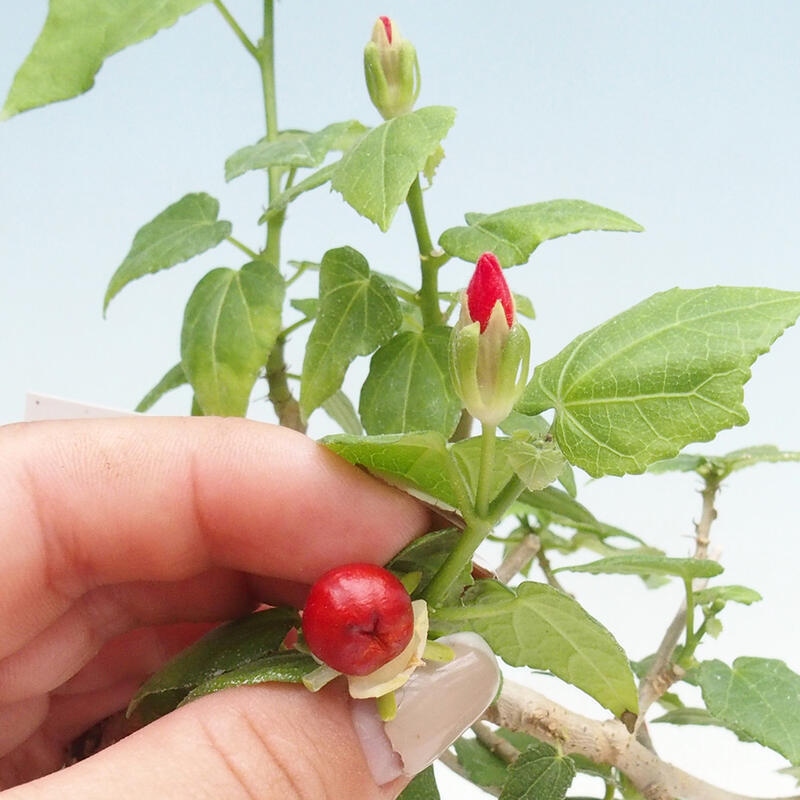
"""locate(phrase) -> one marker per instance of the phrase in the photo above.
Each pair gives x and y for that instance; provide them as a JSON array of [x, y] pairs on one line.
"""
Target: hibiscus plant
[[455, 410]]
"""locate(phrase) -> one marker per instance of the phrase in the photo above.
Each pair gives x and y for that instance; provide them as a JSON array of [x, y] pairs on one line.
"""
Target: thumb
[[256, 742]]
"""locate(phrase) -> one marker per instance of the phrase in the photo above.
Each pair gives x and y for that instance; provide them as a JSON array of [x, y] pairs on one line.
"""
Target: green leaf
[[646, 564], [408, 387], [417, 462], [173, 378], [671, 370], [481, 765], [339, 408], [78, 35], [722, 466], [375, 175], [298, 149], [688, 716], [726, 594], [286, 666], [537, 626], [422, 787], [512, 235], [224, 648], [229, 328], [357, 313], [758, 699], [180, 232], [540, 773], [537, 463]]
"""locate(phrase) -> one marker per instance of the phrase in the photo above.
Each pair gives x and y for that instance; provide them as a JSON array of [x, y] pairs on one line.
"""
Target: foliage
[[624, 397]]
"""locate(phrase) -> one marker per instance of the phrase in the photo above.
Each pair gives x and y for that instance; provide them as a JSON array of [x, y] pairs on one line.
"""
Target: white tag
[[43, 406]]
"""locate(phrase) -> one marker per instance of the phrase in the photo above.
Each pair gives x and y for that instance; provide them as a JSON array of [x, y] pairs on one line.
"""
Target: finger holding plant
[[624, 397]]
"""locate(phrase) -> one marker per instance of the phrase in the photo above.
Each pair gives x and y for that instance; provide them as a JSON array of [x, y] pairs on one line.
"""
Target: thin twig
[[518, 557], [663, 672], [501, 747]]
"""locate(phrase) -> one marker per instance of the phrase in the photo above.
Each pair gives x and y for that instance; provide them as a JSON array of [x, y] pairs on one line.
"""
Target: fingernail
[[437, 704]]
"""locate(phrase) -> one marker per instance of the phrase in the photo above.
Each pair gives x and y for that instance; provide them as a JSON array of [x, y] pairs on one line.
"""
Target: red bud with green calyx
[[489, 349], [391, 70], [357, 618]]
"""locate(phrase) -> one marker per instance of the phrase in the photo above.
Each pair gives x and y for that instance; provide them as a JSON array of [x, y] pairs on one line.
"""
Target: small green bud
[[489, 349], [391, 70]]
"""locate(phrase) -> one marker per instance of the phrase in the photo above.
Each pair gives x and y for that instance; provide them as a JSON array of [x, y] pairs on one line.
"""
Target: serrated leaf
[[513, 234], [180, 232], [375, 175], [357, 313], [408, 387], [758, 699], [301, 149], [537, 626], [540, 773], [287, 666], [173, 378], [224, 648], [671, 370], [722, 466], [645, 564], [537, 463], [78, 35], [417, 462], [422, 787], [229, 328]]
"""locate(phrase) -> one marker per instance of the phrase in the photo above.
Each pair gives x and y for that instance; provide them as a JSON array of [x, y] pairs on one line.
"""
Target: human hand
[[121, 541]]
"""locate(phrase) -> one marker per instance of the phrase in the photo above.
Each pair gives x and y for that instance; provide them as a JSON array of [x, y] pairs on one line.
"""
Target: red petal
[[488, 285]]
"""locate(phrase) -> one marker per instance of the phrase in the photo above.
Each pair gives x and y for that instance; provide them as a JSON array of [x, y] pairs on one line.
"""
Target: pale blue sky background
[[685, 116]]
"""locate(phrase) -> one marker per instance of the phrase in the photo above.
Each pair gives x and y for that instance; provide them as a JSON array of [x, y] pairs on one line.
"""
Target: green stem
[[486, 469], [243, 247], [429, 260], [266, 59], [440, 587], [281, 397], [691, 639], [236, 28]]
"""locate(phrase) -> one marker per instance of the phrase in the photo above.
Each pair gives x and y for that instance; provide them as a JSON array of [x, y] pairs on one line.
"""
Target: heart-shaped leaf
[[375, 175], [409, 387], [357, 313], [229, 328]]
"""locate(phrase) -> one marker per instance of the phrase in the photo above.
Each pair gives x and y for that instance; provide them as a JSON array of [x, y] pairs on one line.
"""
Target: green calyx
[[490, 369]]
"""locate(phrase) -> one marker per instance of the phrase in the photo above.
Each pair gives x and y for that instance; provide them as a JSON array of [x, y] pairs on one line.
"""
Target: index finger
[[90, 503]]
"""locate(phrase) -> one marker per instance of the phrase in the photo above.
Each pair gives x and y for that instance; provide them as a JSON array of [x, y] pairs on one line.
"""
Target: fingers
[[272, 741], [88, 504]]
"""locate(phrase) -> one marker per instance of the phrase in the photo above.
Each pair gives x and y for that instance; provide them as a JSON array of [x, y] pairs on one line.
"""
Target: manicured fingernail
[[437, 704]]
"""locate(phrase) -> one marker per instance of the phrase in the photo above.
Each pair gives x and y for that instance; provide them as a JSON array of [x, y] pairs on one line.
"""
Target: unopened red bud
[[488, 287]]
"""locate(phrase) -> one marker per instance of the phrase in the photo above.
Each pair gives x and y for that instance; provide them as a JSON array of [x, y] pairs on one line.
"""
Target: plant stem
[[439, 589], [429, 260], [236, 28], [243, 247], [281, 397], [266, 60], [486, 469]]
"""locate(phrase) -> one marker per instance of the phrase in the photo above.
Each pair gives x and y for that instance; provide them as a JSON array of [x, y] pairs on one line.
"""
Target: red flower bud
[[387, 26], [487, 287], [357, 618]]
